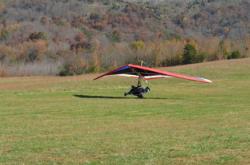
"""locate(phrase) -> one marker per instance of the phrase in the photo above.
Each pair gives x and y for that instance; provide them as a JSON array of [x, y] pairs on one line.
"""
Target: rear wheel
[[140, 96]]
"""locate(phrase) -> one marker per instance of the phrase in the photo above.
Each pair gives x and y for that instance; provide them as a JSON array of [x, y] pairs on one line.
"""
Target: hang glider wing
[[147, 73]]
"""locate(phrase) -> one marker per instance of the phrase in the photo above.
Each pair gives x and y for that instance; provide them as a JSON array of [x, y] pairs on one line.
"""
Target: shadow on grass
[[115, 97]]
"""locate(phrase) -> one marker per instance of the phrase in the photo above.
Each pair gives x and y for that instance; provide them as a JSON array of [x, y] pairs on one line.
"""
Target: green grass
[[52, 120]]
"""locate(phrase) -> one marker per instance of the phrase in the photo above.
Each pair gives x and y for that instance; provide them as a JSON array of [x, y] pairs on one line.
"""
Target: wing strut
[[140, 78]]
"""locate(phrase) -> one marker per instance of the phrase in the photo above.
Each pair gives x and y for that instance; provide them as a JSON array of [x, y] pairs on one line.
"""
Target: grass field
[[74, 120]]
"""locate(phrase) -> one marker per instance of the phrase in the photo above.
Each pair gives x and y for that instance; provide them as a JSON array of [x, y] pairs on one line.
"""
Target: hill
[[221, 18], [96, 35]]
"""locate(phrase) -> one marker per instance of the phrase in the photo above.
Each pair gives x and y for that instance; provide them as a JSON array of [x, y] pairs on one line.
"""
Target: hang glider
[[147, 73]]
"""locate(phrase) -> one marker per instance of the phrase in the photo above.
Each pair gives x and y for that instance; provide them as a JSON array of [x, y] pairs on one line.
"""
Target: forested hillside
[[66, 37]]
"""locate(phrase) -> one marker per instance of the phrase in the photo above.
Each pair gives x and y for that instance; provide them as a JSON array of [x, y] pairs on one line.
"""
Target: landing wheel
[[140, 96]]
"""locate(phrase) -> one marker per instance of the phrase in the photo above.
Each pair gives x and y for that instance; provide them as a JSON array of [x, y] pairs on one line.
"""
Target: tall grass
[[31, 69]]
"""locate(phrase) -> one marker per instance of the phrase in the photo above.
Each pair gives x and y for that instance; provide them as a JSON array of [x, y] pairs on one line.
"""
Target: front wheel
[[147, 89]]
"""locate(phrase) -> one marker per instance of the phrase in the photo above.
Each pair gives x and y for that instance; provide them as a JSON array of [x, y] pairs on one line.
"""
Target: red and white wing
[[147, 73]]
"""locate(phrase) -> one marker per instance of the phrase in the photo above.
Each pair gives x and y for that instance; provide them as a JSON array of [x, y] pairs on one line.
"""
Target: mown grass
[[74, 120]]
